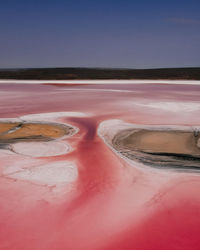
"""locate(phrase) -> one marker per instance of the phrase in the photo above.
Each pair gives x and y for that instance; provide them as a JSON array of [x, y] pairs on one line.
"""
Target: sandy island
[[160, 148], [19, 131]]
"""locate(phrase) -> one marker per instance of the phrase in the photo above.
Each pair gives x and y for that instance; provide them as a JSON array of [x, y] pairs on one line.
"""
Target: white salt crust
[[54, 173], [41, 149]]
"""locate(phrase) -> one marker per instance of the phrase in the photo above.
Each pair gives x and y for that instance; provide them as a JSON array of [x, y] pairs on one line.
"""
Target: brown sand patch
[[11, 132], [4, 127], [160, 148], [178, 142]]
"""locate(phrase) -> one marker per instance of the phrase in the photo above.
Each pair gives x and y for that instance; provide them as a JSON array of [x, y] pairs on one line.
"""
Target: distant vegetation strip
[[99, 73]]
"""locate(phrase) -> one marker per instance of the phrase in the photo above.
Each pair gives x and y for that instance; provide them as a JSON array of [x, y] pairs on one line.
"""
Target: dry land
[[14, 132], [100, 73], [166, 148]]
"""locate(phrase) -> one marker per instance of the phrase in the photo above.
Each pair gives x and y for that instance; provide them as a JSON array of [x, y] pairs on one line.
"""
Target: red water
[[113, 205]]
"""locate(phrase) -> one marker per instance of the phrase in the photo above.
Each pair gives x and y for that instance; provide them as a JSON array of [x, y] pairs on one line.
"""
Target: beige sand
[[167, 148], [177, 142]]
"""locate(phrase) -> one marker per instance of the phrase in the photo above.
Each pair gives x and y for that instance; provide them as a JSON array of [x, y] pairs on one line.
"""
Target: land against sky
[[99, 73]]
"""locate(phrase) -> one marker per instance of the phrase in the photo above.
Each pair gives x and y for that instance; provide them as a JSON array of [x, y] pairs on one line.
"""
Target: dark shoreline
[[100, 74]]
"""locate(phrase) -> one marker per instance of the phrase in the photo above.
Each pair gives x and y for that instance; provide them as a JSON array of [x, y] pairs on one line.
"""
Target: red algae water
[[77, 192]]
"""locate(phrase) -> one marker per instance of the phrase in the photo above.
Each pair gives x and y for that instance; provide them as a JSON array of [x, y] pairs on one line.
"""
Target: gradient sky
[[103, 33]]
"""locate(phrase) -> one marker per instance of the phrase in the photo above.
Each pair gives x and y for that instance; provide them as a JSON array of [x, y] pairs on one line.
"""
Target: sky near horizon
[[104, 33]]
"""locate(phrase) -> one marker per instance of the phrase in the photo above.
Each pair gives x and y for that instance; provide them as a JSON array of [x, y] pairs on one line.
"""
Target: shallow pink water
[[112, 204]]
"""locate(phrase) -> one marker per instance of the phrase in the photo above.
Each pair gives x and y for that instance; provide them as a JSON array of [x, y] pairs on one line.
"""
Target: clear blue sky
[[103, 33]]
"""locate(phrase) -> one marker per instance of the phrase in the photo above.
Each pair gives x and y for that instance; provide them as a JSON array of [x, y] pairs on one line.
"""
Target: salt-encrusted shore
[[190, 82]]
